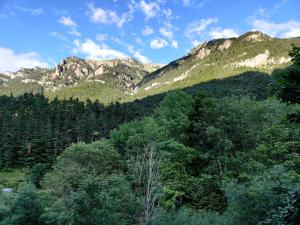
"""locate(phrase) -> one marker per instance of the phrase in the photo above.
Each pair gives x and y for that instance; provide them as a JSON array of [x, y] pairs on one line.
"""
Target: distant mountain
[[218, 59], [70, 71], [118, 74], [127, 79]]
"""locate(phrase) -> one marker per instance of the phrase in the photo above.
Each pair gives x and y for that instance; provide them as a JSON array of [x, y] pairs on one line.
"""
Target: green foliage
[[295, 54], [288, 84], [270, 198], [37, 173], [97, 200], [79, 160], [203, 159], [26, 208], [6, 201], [13, 178], [34, 130], [131, 138], [104, 200], [288, 80], [89, 188], [179, 182], [190, 217], [173, 114]]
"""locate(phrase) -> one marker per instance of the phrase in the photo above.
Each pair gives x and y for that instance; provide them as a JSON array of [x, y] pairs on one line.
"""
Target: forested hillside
[[125, 80], [221, 153], [35, 129]]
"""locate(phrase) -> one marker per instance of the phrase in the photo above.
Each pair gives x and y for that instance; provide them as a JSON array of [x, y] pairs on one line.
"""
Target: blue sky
[[42, 32]]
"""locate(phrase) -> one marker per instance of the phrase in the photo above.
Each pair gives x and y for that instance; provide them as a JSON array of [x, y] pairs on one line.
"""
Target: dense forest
[[195, 159], [32, 129]]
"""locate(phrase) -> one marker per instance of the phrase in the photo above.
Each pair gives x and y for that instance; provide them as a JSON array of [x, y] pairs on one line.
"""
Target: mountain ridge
[[127, 79], [220, 58]]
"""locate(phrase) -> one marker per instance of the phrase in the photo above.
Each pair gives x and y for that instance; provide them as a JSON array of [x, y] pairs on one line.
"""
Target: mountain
[[218, 59], [128, 79], [73, 73]]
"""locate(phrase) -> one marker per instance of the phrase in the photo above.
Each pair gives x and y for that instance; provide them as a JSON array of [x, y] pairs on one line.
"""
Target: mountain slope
[[104, 79], [218, 59], [127, 79]]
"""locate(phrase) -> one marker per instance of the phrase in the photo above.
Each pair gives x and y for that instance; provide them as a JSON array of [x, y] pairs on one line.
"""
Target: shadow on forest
[[254, 84], [39, 124]]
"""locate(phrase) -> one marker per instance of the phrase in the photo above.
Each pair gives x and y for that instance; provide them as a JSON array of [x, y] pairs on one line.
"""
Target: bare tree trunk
[[148, 177]]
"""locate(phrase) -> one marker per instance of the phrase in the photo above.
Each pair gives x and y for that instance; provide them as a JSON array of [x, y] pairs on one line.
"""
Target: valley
[[210, 138]]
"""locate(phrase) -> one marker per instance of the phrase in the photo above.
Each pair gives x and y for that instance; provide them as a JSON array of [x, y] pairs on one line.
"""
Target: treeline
[[36, 130], [197, 160]]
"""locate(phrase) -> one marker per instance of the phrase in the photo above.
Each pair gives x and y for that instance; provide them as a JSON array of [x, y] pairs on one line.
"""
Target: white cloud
[[197, 28], [101, 37], [158, 43], [149, 9], [36, 12], [67, 21], [147, 31], [106, 16], [31, 11], [94, 51], [166, 33], [196, 43], [195, 3], [202, 3], [58, 36], [74, 32], [141, 58], [284, 30], [117, 40], [225, 33], [186, 3], [130, 48], [139, 41], [10, 61], [168, 13], [174, 44]]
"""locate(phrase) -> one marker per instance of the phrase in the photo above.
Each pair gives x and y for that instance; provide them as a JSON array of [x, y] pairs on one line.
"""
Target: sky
[[43, 32]]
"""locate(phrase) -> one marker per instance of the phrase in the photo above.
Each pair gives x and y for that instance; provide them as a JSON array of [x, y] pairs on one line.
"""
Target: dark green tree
[[288, 80], [295, 54], [27, 208], [37, 173], [104, 200]]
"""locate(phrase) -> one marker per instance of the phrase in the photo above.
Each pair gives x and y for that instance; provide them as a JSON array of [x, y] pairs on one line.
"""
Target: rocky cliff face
[[73, 70], [219, 58], [115, 79]]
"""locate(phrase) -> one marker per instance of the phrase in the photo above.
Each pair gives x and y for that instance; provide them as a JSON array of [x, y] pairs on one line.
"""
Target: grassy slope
[[18, 88], [106, 93], [13, 178], [212, 67], [207, 69]]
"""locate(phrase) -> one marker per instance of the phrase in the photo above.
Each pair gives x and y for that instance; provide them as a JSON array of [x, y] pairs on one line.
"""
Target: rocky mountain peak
[[255, 36], [204, 49]]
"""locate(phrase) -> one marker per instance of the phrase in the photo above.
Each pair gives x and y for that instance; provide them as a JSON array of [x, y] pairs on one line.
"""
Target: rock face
[[72, 70], [225, 45], [259, 60], [256, 36], [220, 57], [215, 59]]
